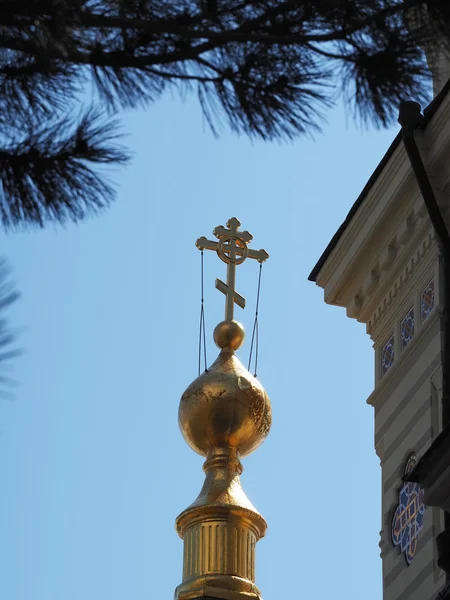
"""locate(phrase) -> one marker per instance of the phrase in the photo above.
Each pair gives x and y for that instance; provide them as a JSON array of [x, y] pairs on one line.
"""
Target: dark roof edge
[[428, 113]]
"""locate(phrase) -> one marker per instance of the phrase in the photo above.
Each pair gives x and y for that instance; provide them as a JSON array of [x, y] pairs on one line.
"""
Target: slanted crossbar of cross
[[232, 248]]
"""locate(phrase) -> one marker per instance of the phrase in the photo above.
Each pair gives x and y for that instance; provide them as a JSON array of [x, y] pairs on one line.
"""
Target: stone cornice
[[366, 271], [409, 268]]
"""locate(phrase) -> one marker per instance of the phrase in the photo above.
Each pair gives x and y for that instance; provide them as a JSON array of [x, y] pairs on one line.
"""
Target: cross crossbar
[[232, 248]]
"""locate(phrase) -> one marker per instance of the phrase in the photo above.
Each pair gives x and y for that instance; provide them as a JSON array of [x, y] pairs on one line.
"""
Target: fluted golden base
[[220, 531]]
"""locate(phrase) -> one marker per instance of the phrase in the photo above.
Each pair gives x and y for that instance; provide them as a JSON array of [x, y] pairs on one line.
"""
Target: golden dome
[[225, 407]]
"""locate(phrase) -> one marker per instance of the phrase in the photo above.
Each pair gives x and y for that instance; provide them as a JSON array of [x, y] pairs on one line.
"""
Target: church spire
[[224, 415]]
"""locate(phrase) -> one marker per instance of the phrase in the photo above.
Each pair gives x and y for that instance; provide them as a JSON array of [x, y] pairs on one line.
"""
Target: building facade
[[384, 267]]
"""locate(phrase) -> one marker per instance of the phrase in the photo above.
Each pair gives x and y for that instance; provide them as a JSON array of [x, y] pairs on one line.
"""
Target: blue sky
[[93, 467]]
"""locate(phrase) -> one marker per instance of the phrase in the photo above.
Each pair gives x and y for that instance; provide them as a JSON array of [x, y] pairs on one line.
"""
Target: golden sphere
[[229, 334], [225, 407]]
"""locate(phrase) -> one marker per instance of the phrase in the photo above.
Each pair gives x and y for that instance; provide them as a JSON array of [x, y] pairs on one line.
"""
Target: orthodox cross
[[232, 248]]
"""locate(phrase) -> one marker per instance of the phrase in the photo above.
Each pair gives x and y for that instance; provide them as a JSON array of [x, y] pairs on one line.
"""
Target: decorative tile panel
[[407, 328], [407, 521], [387, 356], [427, 300]]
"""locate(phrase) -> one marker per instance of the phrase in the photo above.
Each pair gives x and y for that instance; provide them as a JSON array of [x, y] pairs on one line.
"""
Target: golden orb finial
[[229, 335]]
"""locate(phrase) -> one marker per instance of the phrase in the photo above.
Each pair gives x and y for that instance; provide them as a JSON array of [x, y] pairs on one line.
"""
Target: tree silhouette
[[267, 69]]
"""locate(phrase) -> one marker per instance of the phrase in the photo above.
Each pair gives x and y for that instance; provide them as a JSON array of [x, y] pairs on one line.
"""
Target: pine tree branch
[[31, 86], [251, 30], [8, 350], [269, 67], [46, 175]]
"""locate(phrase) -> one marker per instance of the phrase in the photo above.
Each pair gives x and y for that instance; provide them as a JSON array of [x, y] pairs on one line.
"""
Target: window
[[427, 300], [407, 328], [387, 356]]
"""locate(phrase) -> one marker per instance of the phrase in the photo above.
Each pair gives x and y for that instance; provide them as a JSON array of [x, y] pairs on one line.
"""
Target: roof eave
[[428, 113]]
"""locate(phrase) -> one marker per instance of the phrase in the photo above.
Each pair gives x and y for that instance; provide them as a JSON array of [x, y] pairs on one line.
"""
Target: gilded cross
[[232, 248]]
